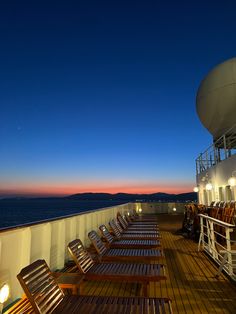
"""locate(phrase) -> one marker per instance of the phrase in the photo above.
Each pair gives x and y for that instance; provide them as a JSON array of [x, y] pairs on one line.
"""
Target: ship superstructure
[[216, 108]]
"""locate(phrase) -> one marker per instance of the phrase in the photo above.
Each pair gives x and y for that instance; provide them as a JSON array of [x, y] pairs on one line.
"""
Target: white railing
[[216, 240], [21, 245], [47, 240], [222, 149]]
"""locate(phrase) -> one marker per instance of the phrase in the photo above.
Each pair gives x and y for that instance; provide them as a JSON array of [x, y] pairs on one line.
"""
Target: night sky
[[100, 95]]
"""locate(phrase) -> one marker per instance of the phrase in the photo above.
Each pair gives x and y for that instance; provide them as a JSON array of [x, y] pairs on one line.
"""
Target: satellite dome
[[216, 99]]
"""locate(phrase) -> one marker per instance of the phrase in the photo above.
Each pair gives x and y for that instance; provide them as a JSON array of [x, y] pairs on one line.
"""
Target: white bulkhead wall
[[218, 176]]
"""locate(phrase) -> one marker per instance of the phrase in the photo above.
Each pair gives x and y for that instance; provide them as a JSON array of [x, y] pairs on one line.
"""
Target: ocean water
[[15, 212]]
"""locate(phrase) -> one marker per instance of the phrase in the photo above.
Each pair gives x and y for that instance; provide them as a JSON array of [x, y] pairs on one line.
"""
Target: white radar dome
[[216, 99]]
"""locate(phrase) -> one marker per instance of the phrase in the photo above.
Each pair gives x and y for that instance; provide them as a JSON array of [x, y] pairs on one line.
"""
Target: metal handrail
[[217, 221], [223, 148], [218, 244]]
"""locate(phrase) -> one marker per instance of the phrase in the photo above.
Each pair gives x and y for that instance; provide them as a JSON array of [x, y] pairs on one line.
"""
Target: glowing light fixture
[[4, 294], [140, 210], [174, 209], [209, 186], [195, 189], [232, 181], [128, 214]]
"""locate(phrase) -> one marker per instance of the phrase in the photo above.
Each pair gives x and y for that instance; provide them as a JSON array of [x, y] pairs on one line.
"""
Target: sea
[[14, 212]]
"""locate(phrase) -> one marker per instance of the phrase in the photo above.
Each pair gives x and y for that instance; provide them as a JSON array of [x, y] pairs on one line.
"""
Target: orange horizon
[[69, 190]]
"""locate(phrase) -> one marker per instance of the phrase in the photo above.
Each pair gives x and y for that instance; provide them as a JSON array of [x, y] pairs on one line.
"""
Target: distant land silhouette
[[191, 196], [128, 197]]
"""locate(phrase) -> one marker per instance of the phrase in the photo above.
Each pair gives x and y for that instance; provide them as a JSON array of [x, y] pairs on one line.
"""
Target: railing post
[[215, 155], [229, 254], [208, 236], [200, 163], [225, 147], [212, 240], [219, 155], [201, 238]]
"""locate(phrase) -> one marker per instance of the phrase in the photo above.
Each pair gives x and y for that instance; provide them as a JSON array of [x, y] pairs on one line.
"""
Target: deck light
[[209, 187], [140, 210], [4, 294], [196, 189], [174, 209], [232, 181]]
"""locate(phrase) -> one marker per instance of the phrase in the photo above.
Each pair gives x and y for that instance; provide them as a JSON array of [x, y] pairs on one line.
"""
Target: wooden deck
[[191, 282]]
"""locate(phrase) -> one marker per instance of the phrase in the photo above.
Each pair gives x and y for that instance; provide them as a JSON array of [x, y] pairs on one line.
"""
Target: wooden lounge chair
[[118, 231], [144, 217], [132, 222], [121, 243], [138, 227], [129, 272], [46, 297], [124, 227], [134, 255], [130, 219]]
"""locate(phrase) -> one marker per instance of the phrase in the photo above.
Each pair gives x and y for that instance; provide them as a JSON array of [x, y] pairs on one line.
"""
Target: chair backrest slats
[[40, 287], [97, 242], [128, 218], [109, 237], [116, 222], [121, 221], [80, 256], [114, 227], [125, 220], [50, 301]]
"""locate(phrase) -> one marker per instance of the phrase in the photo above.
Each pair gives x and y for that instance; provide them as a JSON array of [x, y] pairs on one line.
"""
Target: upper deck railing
[[220, 150]]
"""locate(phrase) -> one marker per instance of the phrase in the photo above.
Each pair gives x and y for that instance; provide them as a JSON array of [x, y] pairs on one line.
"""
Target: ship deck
[[191, 283]]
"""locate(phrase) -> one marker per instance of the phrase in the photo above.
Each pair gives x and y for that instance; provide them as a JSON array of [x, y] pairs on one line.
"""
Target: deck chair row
[[125, 250], [124, 253], [124, 232], [143, 273], [127, 220], [109, 267], [118, 240]]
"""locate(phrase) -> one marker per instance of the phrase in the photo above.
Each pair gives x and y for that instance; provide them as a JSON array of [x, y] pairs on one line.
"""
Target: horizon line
[[49, 195]]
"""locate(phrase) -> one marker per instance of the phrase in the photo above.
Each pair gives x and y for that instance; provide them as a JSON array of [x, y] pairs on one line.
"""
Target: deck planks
[[191, 282]]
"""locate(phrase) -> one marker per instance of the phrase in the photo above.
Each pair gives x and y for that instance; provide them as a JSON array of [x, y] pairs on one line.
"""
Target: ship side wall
[[218, 176]]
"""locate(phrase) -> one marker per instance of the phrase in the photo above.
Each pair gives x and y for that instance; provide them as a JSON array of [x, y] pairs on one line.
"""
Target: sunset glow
[[100, 187], [92, 99]]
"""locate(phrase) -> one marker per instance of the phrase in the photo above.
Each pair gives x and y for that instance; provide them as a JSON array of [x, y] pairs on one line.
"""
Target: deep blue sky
[[100, 95]]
